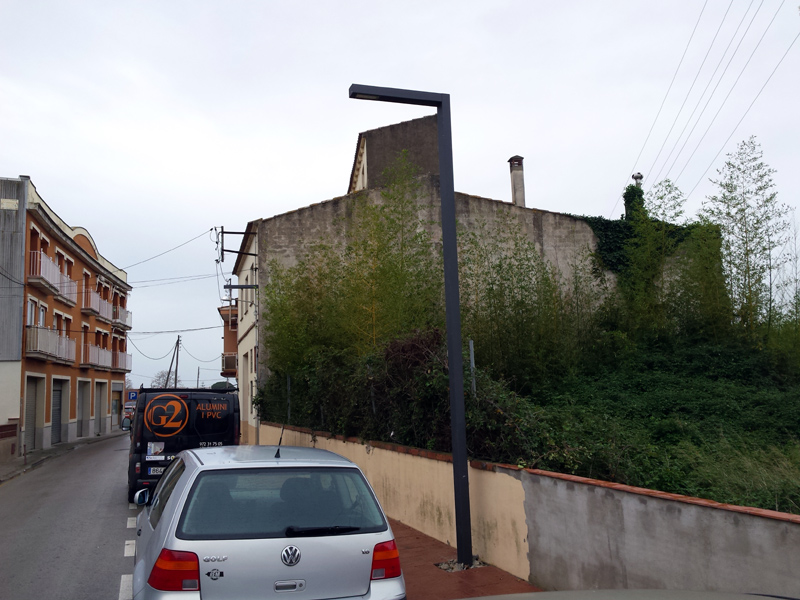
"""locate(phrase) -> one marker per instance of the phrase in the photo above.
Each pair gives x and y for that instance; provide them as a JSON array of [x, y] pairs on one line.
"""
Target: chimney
[[517, 181]]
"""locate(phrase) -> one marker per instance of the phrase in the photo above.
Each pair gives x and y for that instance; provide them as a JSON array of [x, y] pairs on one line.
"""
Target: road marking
[[132, 506], [126, 587], [131, 522], [130, 547]]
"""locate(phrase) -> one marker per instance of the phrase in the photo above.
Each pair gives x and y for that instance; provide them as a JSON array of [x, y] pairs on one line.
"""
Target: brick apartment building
[[63, 327]]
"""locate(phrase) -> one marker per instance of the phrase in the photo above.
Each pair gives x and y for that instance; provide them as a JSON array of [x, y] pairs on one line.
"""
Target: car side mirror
[[126, 424], [141, 497]]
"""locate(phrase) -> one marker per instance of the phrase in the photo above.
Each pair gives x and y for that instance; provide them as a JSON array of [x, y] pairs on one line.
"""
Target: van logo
[[290, 556], [166, 415]]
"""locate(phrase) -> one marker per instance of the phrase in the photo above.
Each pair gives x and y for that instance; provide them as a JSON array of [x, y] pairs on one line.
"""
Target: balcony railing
[[122, 317], [229, 364], [122, 361], [95, 356], [93, 304], [49, 344], [44, 272], [68, 290]]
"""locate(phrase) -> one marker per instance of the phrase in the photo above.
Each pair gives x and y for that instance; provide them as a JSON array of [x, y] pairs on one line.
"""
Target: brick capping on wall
[[489, 466]]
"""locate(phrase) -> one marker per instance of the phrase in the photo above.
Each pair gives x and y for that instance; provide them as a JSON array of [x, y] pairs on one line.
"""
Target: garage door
[[30, 414], [55, 430]]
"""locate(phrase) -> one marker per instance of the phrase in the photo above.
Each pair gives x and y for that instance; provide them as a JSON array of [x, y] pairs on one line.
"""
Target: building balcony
[[93, 304], [122, 318], [120, 361], [48, 344], [44, 273], [230, 364], [67, 290], [97, 357]]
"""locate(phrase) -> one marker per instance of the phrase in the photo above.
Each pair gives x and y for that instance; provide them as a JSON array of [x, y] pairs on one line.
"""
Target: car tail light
[[175, 571], [385, 561], [138, 468]]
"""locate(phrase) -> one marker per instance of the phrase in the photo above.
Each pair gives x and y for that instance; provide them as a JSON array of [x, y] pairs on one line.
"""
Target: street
[[65, 527]]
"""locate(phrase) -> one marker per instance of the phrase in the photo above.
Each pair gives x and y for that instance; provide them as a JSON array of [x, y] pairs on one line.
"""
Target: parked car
[[128, 409], [166, 421], [259, 521]]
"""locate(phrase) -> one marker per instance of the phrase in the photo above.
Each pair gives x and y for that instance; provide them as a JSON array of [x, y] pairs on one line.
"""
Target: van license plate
[[155, 470]]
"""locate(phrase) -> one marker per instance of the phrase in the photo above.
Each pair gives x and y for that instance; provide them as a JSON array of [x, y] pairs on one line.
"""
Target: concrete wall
[[564, 532], [562, 239]]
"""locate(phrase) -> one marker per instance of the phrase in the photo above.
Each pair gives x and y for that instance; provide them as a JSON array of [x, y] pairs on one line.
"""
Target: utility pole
[[177, 357]]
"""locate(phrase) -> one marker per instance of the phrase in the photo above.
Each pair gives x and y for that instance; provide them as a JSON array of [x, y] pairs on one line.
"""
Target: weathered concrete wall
[[564, 532], [562, 239]]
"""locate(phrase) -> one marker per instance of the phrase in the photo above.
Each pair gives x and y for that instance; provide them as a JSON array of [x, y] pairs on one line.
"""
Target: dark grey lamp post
[[452, 309]]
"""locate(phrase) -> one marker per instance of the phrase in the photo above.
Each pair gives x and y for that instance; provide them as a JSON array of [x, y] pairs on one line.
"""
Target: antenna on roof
[[278, 451]]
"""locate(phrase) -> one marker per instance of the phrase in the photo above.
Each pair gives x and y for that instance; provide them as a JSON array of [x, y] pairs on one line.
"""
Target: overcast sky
[[151, 123]]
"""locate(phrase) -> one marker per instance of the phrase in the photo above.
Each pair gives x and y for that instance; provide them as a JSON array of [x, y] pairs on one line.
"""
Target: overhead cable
[[745, 114], [688, 43], [728, 96]]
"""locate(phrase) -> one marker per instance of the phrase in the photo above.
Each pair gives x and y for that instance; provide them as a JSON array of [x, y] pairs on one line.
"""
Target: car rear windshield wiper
[[293, 531]]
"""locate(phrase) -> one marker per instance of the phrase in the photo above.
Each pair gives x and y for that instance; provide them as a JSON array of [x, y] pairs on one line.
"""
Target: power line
[[688, 93], [177, 330], [731, 91], [688, 43], [141, 287], [745, 112], [216, 358], [165, 252], [711, 79], [173, 278], [145, 355]]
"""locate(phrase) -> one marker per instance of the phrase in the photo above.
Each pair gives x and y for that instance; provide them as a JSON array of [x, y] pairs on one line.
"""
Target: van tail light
[[138, 468], [385, 561], [175, 572]]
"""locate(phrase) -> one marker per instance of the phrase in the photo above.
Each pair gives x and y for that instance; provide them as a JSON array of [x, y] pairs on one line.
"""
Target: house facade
[[64, 320], [562, 240]]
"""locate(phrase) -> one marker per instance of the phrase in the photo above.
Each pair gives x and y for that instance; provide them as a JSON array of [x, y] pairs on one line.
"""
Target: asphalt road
[[64, 527]]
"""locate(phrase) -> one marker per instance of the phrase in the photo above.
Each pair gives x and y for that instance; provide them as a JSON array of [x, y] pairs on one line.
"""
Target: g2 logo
[[166, 415]]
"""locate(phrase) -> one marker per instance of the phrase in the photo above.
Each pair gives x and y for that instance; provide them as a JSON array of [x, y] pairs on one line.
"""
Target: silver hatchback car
[[238, 522]]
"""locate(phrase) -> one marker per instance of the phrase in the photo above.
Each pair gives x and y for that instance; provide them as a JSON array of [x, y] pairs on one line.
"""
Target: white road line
[[131, 522], [126, 587], [132, 506], [130, 547]]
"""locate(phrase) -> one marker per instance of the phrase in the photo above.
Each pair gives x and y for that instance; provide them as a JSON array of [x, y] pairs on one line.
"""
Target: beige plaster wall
[[10, 374], [418, 492]]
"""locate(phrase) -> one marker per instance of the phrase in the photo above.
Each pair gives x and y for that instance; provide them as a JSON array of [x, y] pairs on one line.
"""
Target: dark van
[[167, 421]]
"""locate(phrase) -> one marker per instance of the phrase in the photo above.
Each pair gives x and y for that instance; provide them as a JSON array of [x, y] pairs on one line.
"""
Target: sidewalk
[[18, 465], [419, 553]]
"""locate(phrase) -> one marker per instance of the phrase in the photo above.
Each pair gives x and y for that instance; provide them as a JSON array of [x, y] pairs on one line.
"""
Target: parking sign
[[133, 395]]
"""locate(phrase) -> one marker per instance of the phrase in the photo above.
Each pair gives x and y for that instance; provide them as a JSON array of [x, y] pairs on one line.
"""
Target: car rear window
[[279, 502]]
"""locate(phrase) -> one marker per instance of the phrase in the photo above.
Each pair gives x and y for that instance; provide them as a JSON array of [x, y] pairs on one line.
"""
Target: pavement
[[420, 554]]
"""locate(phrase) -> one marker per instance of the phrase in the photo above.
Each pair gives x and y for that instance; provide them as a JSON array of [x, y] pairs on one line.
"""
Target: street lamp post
[[451, 296]]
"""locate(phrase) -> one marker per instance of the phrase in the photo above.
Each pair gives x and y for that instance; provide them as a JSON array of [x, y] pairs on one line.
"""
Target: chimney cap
[[516, 160]]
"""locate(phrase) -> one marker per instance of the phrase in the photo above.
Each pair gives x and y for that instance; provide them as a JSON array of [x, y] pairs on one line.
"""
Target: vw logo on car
[[290, 556]]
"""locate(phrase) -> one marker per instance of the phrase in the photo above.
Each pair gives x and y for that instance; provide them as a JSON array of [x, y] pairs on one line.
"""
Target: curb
[[59, 451]]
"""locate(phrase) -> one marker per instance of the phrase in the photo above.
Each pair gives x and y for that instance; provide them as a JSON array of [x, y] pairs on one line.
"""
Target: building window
[[32, 312], [42, 315]]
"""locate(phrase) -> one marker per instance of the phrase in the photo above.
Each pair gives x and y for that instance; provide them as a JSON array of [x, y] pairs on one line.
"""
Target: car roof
[[265, 456]]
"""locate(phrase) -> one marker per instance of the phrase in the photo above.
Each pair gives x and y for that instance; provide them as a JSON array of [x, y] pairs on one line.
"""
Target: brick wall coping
[[490, 466]]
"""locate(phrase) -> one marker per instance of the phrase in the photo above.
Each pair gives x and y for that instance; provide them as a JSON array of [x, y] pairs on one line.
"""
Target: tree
[[160, 380], [753, 225]]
